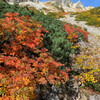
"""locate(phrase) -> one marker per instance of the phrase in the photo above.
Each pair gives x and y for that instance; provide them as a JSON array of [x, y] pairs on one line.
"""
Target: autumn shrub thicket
[[24, 62], [92, 17]]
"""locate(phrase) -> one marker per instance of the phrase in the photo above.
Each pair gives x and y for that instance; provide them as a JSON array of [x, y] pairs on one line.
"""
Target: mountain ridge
[[67, 5]]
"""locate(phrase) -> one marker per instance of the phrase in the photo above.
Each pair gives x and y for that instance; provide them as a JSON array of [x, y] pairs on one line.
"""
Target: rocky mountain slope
[[67, 5]]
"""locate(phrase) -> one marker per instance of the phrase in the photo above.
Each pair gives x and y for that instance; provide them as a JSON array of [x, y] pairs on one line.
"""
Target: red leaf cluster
[[73, 32]]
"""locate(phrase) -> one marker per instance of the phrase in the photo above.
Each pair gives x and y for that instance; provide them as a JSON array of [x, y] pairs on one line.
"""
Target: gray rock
[[94, 97], [54, 89], [52, 96], [83, 97]]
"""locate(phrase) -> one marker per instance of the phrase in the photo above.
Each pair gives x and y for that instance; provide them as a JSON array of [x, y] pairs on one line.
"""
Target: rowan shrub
[[24, 62], [75, 34], [56, 42]]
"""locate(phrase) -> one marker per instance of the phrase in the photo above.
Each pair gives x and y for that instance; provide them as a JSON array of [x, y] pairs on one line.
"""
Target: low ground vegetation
[[92, 17]]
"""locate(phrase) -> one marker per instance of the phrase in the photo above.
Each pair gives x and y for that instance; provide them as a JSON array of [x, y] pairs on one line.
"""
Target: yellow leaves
[[89, 63], [1, 30], [45, 71], [84, 67], [69, 37], [1, 33], [79, 61], [87, 77], [26, 80], [74, 47], [17, 97]]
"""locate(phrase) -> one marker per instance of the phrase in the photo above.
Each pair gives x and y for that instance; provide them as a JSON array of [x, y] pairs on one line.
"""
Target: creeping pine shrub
[[24, 63], [94, 86], [5, 7], [56, 42]]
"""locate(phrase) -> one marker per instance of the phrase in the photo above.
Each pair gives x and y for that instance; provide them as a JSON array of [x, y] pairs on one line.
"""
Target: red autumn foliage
[[24, 63], [73, 32]]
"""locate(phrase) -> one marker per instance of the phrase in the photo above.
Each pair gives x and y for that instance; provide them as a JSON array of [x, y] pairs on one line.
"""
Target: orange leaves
[[75, 36], [65, 75], [72, 36], [14, 47], [11, 14], [1, 76], [26, 80], [24, 65], [73, 32], [31, 45], [51, 79], [42, 80]]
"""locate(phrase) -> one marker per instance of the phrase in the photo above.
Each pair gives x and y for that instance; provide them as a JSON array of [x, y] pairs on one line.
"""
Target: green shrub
[[4, 8], [94, 86], [55, 41], [85, 28]]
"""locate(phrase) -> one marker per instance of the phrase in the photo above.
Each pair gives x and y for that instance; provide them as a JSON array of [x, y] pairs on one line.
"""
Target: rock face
[[79, 5], [64, 2], [89, 7], [69, 3], [94, 97]]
